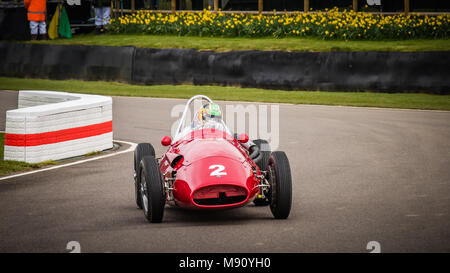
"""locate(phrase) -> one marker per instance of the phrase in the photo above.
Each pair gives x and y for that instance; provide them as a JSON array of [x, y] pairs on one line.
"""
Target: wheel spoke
[[144, 193]]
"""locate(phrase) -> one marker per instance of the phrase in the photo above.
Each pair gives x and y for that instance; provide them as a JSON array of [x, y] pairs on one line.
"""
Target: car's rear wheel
[[142, 149], [279, 177], [264, 149], [151, 189]]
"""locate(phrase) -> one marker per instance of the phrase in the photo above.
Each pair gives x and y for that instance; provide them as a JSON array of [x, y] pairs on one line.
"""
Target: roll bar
[[183, 117]]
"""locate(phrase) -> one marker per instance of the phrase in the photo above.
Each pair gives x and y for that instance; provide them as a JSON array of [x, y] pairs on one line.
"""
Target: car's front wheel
[[279, 176], [142, 149], [151, 189]]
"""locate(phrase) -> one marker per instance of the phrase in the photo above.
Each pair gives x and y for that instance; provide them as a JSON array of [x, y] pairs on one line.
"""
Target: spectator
[[36, 11], [102, 11]]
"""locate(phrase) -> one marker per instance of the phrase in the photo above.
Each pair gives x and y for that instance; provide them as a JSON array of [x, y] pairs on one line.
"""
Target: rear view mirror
[[166, 141], [243, 138]]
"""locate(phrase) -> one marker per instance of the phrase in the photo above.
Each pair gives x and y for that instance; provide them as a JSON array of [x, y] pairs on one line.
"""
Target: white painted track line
[[130, 149]]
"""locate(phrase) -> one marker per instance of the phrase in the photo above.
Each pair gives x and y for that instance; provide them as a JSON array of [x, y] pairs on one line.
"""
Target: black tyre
[[143, 149], [151, 189], [279, 176], [264, 149]]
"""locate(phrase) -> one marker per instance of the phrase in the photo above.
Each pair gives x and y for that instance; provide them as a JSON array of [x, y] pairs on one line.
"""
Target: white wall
[[41, 117]]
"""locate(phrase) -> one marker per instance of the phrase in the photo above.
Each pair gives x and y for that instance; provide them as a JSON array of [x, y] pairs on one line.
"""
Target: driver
[[209, 116]]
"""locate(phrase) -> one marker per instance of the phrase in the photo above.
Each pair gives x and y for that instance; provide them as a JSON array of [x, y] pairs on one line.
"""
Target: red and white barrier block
[[57, 125]]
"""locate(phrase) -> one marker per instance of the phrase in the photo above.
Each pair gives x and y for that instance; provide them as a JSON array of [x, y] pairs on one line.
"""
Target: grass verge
[[397, 100], [10, 166], [228, 44]]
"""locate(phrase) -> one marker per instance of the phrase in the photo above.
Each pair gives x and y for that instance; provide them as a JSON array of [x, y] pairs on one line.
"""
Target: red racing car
[[206, 167]]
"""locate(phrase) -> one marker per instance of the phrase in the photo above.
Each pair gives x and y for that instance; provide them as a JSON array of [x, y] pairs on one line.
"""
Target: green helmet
[[213, 111], [210, 111]]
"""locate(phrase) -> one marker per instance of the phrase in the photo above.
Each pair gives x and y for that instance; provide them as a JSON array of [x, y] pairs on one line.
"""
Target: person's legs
[[105, 17], [43, 30], [98, 19], [34, 30], [98, 16], [42, 27], [106, 14]]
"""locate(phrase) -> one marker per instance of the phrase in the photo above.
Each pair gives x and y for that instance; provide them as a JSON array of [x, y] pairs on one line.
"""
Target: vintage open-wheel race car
[[207, 167]]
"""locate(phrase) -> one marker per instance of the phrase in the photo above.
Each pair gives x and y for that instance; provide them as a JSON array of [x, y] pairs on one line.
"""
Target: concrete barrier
[[57, 125]]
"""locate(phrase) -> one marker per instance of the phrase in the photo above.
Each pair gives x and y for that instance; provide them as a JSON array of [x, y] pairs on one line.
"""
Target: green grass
[[93, 153], [228, 44], [2, 145], [10, 166], [397, 100]]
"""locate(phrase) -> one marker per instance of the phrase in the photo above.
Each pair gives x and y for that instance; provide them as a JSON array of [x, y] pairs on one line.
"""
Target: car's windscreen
[[197, 117]]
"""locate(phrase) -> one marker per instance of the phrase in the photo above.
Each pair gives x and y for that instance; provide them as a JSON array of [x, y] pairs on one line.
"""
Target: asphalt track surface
[[359, 175]]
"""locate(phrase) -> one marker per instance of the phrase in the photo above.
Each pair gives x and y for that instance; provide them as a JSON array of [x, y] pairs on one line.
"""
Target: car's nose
[[215, 181]]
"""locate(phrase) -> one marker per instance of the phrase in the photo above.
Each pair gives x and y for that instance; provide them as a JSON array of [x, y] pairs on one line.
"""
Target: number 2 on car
[[218, 170]]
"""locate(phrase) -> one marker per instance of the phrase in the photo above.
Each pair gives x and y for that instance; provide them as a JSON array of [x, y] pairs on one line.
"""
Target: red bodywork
[[215, 171]]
